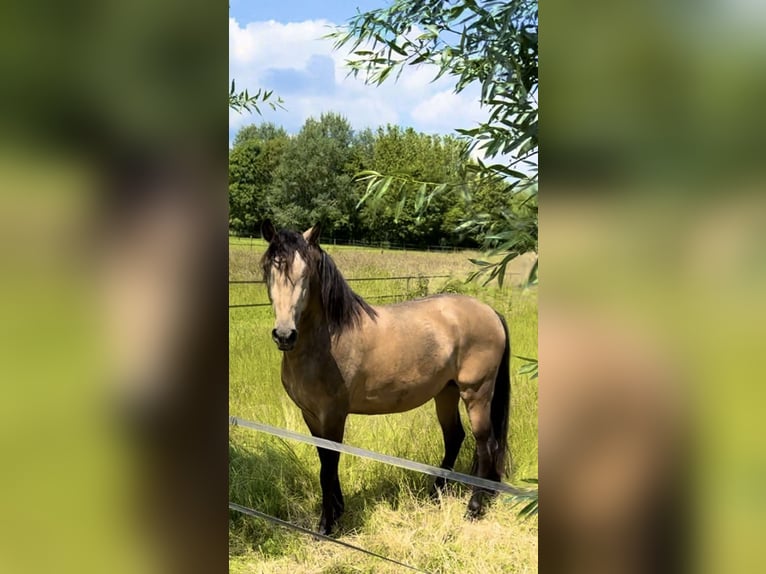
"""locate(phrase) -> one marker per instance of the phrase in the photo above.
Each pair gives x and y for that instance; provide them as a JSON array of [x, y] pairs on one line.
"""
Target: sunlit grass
[[387, 508]]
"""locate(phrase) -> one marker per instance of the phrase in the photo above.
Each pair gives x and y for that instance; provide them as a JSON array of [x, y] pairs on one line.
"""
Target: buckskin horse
[[343, 356]]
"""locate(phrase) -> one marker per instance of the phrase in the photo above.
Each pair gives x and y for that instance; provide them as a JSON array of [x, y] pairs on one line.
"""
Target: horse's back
[[466, 319], [413, 349]]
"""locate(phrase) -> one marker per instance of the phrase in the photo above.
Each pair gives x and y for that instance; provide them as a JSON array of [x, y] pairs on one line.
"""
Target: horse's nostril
[[284, 337]]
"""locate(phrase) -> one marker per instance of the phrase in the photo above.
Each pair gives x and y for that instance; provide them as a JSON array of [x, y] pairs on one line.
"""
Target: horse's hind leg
[[452, 429], [478, 407], [332, 497]]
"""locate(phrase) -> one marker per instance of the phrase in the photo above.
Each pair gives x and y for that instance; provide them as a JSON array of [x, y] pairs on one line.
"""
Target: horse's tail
[[500, 408]]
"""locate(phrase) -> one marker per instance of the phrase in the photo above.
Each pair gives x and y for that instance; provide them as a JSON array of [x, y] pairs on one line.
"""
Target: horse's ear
[[268, 231], [311, 235]]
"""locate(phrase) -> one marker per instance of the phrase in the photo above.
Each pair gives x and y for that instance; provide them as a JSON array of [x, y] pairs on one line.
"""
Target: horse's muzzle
[[285, 339]]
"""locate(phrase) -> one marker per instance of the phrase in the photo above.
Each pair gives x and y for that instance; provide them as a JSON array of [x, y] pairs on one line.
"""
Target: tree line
[[297, 180]]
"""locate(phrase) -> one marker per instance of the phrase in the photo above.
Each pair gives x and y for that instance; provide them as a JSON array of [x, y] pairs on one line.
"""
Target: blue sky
[[279, 46], [336, 11]]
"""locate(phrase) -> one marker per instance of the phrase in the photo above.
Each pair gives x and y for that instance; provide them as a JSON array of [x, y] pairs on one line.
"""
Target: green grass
[[387, 508]]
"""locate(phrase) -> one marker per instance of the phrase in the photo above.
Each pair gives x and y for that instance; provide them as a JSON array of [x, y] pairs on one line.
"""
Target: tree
[[248, 178], [493, 44], [262, 132], [255, 156], [313, 181], [420, 157]]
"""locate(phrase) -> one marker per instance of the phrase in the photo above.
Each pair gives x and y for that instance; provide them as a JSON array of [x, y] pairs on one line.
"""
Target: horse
[[342, 356]]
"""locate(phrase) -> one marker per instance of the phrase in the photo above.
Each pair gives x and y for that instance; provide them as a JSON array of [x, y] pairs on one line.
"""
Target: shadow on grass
[[268, 475], [389, 487]]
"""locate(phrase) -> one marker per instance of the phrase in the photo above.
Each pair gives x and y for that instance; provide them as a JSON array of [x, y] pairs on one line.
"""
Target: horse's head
[[288, 267]]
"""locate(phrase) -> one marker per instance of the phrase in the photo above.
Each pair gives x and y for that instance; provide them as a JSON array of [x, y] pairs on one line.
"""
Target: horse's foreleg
[[332, 497]]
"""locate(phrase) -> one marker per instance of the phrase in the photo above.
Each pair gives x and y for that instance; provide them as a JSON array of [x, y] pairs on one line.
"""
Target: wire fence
[[262, 515], [498, 487], [255, 242], [400, 295], [350, 279]]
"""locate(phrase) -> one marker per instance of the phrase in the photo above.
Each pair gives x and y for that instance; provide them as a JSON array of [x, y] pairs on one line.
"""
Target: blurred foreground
[[652, 309], [113, 264]]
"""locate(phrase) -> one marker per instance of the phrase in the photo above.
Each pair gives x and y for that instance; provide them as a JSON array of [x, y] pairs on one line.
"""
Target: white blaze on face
[[289, 290]]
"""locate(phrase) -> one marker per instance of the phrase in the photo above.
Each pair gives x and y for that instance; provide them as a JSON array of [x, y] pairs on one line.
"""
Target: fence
[[499, 487], [384, 244], [407, 278]]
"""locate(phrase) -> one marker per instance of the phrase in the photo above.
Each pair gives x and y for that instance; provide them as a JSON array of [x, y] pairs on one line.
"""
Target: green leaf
[[384, 74], [399, 50], [530, 369], [372, 185], [532, 277], [530, 509], [400, 207], [420, 197], [382, 189], [366, 174]]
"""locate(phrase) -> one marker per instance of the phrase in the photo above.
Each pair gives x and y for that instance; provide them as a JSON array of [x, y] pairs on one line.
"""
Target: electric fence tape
[[393, 460]]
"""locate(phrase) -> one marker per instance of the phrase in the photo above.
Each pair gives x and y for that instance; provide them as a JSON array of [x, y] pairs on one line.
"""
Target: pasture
[[388, 509]]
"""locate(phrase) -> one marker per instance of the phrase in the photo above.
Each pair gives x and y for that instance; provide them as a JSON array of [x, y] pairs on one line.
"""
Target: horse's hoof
[[325, 528], [329, 520], [476, 506], [326, 525], [473, 513]]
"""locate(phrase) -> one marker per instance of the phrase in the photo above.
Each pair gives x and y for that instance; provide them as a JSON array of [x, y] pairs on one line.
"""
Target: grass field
[[387, 509]]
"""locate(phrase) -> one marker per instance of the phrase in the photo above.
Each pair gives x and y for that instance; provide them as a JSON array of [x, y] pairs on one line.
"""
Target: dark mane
[[342, 307]]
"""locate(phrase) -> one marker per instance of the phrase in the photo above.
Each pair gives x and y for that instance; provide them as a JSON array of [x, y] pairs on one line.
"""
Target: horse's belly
[[395, 395], [402, 367], [398, 402]]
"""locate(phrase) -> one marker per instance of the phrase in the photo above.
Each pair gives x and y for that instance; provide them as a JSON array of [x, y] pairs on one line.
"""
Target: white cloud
[[237, 120], [361, 112], [276, 45], [293, 59], [446, 108]]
